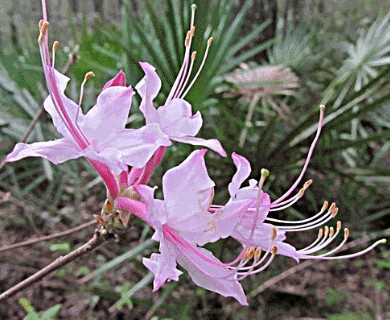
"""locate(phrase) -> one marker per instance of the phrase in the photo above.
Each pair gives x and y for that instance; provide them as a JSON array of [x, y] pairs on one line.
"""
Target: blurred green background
[[270, 66]]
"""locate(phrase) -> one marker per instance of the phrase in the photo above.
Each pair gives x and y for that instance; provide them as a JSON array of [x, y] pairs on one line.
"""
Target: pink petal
[[176, 119], [110, 113], [154, 208], [109, 156], [136, 146], [118, 81], [162, 265], [243, 171], [187, 188], [206, 274], [230, 216], [57, 151], [213, 144], [70, 106], [148, 88]]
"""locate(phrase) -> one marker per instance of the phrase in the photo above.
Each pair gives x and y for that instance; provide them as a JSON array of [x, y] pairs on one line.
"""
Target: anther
[[338, 225], [307, 184], [194, 7], [326, 231], [40, 24], [250, 253], [332, 207], [88, 75], [44, 26], [301, 193], [274, 250], [334, 212], [193, 55], [320, 233], [331, 232], [325, 206], [192, 31], [346, 233], [322, 106], [211, 39], [274, 233], [257, 253], [55, 45]]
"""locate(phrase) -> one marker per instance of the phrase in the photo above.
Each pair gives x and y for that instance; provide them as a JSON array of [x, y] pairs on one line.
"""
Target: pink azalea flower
[[180, 221], [256, 227], [175, 117], [100, 135]]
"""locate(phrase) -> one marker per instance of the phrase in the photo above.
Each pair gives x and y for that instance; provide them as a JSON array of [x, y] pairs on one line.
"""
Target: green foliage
[[350, 316], [334, 297], [32, 314]]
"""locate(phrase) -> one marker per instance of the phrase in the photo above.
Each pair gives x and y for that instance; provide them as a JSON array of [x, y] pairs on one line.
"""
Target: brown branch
[[48, 237], [95, 241], [269, 283], [71, 60]]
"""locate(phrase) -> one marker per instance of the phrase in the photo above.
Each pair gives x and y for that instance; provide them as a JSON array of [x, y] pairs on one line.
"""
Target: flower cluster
[[186, 219]]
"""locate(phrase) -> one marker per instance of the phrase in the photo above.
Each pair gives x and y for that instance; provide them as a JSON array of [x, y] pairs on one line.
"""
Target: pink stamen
[[309, 155]]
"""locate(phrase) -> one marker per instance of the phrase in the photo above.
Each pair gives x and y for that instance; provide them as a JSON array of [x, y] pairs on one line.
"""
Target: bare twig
[[95, 241], [48, 237], [306, 264], [71, 60]]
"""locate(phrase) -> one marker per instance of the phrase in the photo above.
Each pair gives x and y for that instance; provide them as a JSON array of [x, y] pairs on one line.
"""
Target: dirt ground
[[353, 289]]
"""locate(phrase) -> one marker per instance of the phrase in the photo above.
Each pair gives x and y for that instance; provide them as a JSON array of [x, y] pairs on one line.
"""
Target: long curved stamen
[[332, 212], [183, 69], [87, 76], [299, 195], [315, 242], [309, 155], [332, 236], [307, 254], [346, 235], [243, 275], [200, 68], [323, 209], [182, 86]]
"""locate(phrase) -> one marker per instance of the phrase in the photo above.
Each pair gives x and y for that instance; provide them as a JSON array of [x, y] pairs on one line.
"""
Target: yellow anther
[[338, 225], [257, 253], [211, 39], [301, 193], [274, 233], [193, 7], [331, 232], [43, 27], [307, 184], [274, 250], [187, 40], [320, 233], [55, 45], [88, 75], [325, 206], [250, 253], [326, 230], [346, 233], [40, 24], [192, 31], [193, 55]]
